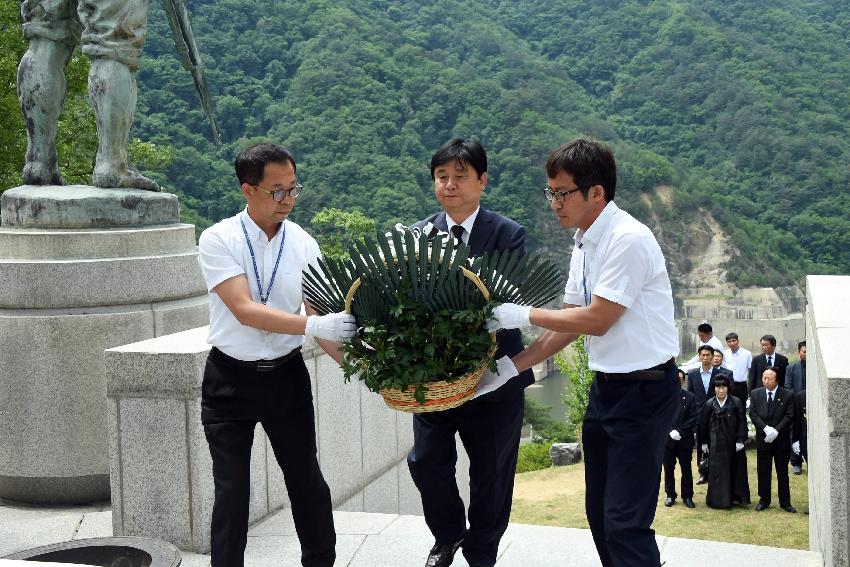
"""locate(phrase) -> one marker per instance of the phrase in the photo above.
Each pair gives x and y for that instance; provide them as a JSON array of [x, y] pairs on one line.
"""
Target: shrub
[[533, 457]]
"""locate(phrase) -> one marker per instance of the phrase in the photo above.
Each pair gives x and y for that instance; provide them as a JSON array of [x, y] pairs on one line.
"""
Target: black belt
[[655, 373], [256, 365]]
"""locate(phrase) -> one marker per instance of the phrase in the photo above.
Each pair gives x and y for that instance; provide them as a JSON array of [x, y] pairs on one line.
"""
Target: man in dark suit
[[680, 446], [769, 358], [489, 425], [772, 414], [717, 362], [795, 380], [799, 433], [701, 385]]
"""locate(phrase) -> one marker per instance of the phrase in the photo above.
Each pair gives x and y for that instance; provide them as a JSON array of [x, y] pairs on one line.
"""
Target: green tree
[[580, 376], [336, 230]]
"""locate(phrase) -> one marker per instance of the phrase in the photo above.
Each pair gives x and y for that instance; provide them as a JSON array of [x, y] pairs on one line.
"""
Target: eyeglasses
[[561, 196], [279, 194]]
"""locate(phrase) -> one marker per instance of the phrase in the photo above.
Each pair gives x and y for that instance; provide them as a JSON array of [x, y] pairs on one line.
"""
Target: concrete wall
[[160, 465], [828, 412]]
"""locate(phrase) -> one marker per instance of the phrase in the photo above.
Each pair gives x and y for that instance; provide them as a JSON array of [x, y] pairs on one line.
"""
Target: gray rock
[[565, 454]]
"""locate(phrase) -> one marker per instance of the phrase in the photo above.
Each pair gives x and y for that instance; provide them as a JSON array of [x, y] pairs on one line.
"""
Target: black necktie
[[769, 403], [769, 360], [457, 232]]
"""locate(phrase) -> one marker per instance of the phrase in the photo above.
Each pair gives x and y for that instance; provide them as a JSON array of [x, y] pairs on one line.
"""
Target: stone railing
[[160, 468], [828, 412]]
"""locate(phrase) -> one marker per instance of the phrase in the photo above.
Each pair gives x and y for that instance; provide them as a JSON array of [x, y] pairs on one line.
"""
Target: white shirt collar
[[723, 401], [598, 227], [466, 224], [773, 391], [256, 233]]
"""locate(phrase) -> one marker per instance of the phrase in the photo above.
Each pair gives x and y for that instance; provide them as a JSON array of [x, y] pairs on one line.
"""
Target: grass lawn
[[555, 497]]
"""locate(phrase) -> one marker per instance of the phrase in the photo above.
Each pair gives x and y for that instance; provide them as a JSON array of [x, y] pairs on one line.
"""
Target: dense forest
[[741, 106]]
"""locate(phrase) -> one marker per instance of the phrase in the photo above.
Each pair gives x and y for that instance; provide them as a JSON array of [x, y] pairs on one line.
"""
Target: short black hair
[[251, 162], [709, 348], [800, 345], [705, 328], [721, 380], [589, 163], [464, 151], [769, 338], [731, 336]]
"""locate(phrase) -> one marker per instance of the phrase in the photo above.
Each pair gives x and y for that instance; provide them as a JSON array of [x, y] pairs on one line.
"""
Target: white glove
[[795, 446], [704, 448], [675, 435], [333, 327], [738, 446], [491, 381], [509, 316], [770, 434]]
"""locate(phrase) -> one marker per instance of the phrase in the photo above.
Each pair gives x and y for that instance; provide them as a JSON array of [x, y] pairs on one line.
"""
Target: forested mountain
[[740, 105]]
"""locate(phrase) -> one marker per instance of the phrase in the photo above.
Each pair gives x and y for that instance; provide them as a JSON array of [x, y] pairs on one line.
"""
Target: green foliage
[[533, 457], [580, 377], [336, 230], [743, 107], [544, 427]]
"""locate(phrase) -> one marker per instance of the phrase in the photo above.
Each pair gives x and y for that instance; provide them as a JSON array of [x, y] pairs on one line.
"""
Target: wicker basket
[[439, 395]]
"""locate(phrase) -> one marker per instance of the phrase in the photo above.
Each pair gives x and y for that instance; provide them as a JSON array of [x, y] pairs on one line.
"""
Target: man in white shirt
[[738, 360], [252, 264], [705, 333], [618, 293]]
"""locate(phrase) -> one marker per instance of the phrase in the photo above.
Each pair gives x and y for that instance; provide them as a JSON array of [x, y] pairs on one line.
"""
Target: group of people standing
[[721, 387], [618, 292]]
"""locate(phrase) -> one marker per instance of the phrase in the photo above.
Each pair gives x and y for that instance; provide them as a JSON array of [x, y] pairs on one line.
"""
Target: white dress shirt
[[706, 377], [466, 224], [739, 363], [695, 362], [223, 254], [619, 259]]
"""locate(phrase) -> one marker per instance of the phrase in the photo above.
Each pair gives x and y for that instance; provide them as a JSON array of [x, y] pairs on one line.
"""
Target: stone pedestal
[[82, 270]]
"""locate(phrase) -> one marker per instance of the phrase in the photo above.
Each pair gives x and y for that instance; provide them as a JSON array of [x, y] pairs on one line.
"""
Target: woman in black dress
[[723, 428]]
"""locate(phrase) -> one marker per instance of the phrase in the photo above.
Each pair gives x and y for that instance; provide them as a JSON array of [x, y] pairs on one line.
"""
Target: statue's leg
[[112, 90], [41, 91], [113, 35]]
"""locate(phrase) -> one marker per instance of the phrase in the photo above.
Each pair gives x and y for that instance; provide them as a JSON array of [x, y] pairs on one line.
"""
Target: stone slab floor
[[388, 540]]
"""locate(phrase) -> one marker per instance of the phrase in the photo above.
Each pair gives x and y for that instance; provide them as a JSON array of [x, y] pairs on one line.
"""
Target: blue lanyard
[[584, 277], [264, 298]]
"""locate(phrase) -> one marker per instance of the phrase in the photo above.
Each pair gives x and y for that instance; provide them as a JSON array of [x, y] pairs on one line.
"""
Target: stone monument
[[84, 269]]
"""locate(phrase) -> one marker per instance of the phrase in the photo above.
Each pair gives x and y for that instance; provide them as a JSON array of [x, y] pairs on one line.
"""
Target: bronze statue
[[112, 33]]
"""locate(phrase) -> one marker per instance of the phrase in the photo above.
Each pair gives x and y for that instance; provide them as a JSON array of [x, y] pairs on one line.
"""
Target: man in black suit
[[680, 446], [701, 385], [769, 358], [795, 380], [772, 414], [799, 434], [489, 425]]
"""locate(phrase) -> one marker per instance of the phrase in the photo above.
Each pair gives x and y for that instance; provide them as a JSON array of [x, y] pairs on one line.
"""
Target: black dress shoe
[[689, 502], [701, 480], [796, 469], [790, 509], [761, 506], [443, 555], [669, 501]]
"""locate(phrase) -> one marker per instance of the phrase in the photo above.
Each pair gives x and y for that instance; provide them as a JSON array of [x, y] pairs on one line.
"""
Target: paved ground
[[388, 540]]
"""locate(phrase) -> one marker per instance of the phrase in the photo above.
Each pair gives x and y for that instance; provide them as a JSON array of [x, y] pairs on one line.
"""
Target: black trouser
[[778, 457], [681, 451], [234, 400], [739, 390], [490, 432], [625, 428]]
